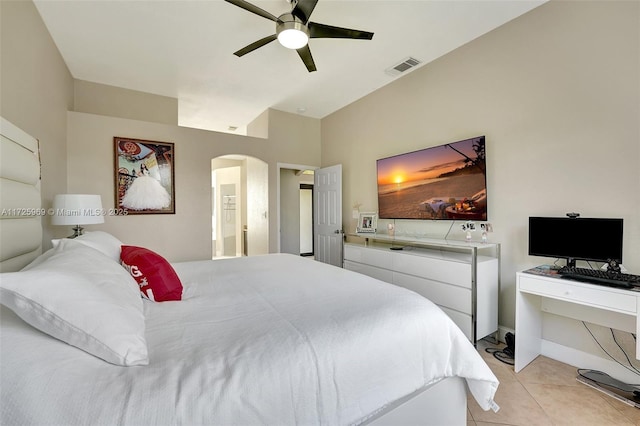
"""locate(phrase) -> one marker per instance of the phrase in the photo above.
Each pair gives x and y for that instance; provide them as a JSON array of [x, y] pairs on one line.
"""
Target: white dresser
[[462, 278]]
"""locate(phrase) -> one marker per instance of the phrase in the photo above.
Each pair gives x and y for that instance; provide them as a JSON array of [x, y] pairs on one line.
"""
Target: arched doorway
[[239, 206]]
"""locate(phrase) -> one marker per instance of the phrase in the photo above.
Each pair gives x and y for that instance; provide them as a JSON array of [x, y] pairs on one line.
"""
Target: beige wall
[[259, 127], [555, 91], [36, 90], [557, 94], [187, 234], [113, 101]]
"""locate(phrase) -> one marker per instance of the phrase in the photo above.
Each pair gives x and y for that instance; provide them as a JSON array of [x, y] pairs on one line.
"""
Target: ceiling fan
[[293, 30]]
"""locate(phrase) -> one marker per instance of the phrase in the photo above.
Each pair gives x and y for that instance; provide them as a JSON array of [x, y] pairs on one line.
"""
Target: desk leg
[[528, 329]]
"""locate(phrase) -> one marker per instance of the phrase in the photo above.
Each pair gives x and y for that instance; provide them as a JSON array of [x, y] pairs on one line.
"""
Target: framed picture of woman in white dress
[[144, 176]]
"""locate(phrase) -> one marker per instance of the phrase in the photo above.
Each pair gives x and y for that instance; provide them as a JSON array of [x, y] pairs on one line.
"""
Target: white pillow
[[44, 256], [82, 297], [101, 241]]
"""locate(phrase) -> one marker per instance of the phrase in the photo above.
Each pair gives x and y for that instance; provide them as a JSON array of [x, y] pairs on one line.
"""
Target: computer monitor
[[591, 239]]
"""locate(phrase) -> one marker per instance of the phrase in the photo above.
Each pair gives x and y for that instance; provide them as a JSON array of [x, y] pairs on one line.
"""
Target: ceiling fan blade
[[303, 9], [253, 9], [305, 55], [256, 44], [327, 31]]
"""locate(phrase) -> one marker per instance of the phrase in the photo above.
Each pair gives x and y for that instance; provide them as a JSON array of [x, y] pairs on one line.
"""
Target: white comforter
[[267, 340]]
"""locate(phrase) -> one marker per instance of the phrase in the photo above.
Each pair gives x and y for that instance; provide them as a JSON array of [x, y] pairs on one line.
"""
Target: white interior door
[[328, 215]]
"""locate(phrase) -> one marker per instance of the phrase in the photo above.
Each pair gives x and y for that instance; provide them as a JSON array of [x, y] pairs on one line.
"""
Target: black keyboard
[[599, 276]]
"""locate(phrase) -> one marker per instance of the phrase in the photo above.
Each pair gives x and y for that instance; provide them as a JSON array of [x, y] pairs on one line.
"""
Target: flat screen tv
[[574, 239], [442, 182]]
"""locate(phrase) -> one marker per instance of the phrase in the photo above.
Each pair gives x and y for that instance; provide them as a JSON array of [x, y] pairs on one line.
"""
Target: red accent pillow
[[157, 279]]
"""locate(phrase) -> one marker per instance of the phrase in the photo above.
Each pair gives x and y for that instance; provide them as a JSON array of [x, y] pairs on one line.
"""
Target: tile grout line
[[535, 399], [609, 400]]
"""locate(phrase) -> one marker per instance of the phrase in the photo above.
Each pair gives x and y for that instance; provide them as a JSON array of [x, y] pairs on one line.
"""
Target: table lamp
[[77, 209]]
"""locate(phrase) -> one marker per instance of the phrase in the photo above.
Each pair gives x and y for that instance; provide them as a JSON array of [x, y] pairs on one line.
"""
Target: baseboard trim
[[577, 358], [580, 359], [502, 331]]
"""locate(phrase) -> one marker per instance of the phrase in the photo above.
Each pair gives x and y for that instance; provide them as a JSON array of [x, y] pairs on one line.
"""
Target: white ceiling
[[184, 49]]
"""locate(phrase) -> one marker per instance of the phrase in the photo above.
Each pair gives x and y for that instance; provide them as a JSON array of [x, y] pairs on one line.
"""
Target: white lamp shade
[[77, 209]]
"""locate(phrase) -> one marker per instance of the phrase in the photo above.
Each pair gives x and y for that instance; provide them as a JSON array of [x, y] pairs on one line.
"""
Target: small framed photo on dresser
[[367, 222]]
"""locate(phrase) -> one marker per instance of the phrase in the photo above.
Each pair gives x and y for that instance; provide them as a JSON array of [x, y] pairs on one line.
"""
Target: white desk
[[537, 294]]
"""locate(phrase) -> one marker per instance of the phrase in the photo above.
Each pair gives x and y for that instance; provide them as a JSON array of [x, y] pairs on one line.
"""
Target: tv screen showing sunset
[[442, 182]]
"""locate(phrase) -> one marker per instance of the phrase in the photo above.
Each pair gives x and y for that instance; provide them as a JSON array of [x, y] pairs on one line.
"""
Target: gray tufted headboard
[[20, 201]]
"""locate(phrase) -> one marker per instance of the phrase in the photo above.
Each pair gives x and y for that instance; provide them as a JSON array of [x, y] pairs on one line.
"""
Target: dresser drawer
[[456, 273], [584, 294], [463, 321], [377, 273], [450, 296], [369, 256]]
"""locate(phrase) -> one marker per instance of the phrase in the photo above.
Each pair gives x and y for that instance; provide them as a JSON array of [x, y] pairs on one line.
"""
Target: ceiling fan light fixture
[[292, 33], [293, 39]]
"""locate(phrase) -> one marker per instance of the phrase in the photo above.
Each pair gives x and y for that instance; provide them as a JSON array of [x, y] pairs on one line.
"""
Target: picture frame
[[367, 223], [144, 176]]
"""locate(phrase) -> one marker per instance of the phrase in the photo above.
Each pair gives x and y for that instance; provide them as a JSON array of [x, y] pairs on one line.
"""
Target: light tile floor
[[546, 392]]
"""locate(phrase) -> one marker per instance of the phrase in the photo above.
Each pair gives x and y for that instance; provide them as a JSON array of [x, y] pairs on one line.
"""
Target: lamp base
[[77, 231]]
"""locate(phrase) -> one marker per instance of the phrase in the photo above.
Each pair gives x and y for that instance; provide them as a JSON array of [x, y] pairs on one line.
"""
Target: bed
[[265, 340]]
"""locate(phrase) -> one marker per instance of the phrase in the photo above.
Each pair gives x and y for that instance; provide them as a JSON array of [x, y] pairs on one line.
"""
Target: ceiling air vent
[[403, 66]]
